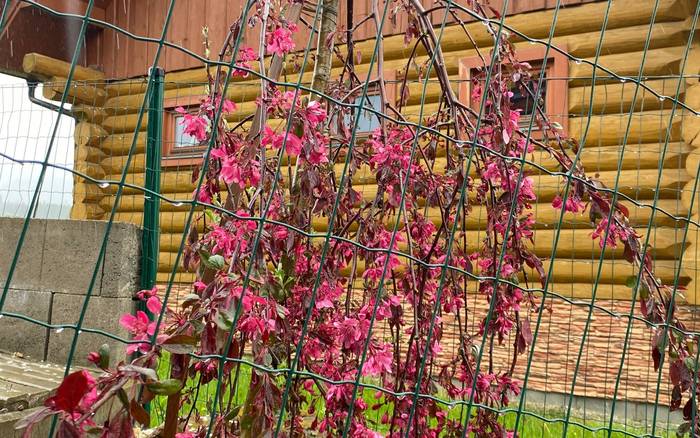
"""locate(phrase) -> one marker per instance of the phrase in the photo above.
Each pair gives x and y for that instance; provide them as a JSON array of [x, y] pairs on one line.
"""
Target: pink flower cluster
[[279, 41]]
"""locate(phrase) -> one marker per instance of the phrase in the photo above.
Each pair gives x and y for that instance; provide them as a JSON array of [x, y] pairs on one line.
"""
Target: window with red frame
[[553, 94], [180, 149]]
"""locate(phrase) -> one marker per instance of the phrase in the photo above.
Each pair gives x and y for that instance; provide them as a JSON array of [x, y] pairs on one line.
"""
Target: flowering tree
[[338, 300]]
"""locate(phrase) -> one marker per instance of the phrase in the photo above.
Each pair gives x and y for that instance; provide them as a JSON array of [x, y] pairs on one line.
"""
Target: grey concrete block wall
[[60, 256], [17, 335], [53, 274], [102, 314]]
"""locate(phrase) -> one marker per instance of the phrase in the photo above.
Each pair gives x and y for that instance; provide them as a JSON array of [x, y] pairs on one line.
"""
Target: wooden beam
[[46, 67]]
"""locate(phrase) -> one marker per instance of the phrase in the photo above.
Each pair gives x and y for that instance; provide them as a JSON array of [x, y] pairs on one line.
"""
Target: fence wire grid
[[589, 372]]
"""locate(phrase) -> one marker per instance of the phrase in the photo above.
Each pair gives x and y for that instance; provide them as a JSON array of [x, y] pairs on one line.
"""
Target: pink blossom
[[245, 56], [232, 172], [315, 114], [348, 332], [195, 125], [572, 205], [279, 41], [293, 144], [140, 328], [147, 293], [379, 360], [228, 107], [154, 305]]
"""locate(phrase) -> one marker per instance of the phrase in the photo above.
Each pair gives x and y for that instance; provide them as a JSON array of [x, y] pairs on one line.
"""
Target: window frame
[[557, 84], [170, 156], [391, 86]]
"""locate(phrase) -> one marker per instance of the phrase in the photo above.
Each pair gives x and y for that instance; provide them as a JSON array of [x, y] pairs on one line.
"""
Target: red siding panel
[[123, 57]]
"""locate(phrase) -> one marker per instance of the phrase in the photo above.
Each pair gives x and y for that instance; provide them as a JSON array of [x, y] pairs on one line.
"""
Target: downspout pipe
[[31, 93]]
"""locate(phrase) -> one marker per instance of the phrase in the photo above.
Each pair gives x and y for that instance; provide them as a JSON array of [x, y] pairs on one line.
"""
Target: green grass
[[202, 400], [530, 424]]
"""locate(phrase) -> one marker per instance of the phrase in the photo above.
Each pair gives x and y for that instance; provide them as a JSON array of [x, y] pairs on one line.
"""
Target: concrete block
[[120, 273], [17, 335], [27, 272], [70, 255], [102, 313], [8, 420]]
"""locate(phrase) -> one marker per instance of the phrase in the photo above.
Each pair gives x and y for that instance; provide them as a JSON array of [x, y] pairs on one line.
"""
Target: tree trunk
[[324, 47]]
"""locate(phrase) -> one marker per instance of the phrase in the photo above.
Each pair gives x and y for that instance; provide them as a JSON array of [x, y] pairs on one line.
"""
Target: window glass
[[183, 140], [523, 99], [369, 121]]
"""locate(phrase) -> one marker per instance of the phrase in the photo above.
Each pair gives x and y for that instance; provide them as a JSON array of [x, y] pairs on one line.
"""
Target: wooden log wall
[[578, 29]]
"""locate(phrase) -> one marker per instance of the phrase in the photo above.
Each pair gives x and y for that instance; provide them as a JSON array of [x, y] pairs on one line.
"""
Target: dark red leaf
[[30, 420], [688, 409], [119, 427], [71, 391], [657, 358], [66, 429], [676, 397], [675, 371], [625, 211], [139, 413]]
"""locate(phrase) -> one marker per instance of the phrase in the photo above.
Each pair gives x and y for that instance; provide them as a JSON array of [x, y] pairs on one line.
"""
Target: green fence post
[[150, 238], [151, 204]]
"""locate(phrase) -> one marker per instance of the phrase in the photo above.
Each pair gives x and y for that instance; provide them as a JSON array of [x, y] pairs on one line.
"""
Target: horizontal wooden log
[[124, 124], [170, 182], [181, 278], [88, 154], [45, 67], [636, 156], [645, 127], [576, 291], [610, 98], [565, 270], [120, 144], [691, 263], [86, 211], [115, 164], [88, 134], [692, 65], [577, 243], [86, 192], [546, 217], [665, 61], [181, 94], [690, 189], [637, 184], [88, 113], [604, 130], [90, 169], [635, 181], [78, 91]]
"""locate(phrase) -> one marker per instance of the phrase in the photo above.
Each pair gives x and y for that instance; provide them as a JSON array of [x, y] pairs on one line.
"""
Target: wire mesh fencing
[[621, 84]]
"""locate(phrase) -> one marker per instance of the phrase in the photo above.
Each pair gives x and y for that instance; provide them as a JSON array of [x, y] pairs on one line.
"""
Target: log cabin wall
[[109, 114]]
